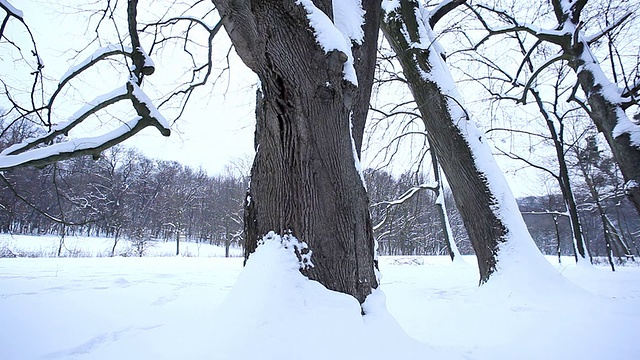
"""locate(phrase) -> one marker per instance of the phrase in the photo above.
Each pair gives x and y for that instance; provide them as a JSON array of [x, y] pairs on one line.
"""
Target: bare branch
[[537, 72], [443, 9], [409, 194], [594, 38], [37, 209]]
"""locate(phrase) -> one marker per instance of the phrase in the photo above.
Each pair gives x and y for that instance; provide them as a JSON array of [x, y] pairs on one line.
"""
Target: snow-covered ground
[[210, 308], [83, 246]]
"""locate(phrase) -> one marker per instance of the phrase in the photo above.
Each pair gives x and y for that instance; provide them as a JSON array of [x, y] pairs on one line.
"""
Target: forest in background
[[125, 194]]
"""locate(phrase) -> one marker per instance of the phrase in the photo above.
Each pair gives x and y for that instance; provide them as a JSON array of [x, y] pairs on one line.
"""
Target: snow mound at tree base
[[274, 312]]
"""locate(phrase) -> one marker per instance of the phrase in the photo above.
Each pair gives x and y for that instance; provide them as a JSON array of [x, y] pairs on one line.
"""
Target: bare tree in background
[[605, 101]]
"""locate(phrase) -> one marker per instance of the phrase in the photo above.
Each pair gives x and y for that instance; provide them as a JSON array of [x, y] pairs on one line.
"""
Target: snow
[[153, 111], [612, 94], [348, 17], [626, 126], [11, 9], [189, 308], [330, 37], [99, 53], [84, 246], [148, 62], [631, 185], [389, 6]]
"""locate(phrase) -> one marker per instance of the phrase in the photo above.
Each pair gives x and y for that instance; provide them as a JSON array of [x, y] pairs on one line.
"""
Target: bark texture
[[304, 179], [469, 185]]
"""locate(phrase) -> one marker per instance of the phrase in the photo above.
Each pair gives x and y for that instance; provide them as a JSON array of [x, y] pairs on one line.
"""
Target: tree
[[606, 103], [598, 174], [48, 148], [313, 86], [478, 188]]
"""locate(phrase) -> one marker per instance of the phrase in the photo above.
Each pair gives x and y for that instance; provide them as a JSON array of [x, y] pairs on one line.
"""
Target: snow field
[[212, 308], [83, 246]]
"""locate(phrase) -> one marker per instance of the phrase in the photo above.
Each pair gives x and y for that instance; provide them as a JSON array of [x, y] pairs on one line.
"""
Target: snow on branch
[[100, 54], [443, 9], [64, 127], [25, 154], [11, 10], [595, 37], [626, 126], [552, 213], [330, 37], [348, 17], [144, 106], [408, 195], [74, 148]]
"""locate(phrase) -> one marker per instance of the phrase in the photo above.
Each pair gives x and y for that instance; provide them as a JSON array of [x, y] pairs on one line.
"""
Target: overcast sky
[[218, 126]]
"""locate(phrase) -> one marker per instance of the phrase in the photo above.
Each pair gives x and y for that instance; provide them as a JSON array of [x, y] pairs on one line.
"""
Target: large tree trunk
[[304, 178], [487, 208]]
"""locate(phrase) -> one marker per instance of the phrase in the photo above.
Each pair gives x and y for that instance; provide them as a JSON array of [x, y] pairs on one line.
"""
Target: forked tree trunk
[[304, 178]]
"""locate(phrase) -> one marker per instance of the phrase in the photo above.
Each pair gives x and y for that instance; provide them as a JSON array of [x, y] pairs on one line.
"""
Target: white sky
[[216, 128]]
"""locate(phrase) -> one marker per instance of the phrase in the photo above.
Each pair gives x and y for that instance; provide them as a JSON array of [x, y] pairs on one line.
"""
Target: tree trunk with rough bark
[[305, 179]]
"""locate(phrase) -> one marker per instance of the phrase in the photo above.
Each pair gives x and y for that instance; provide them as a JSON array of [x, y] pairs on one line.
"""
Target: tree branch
[[443, 9]]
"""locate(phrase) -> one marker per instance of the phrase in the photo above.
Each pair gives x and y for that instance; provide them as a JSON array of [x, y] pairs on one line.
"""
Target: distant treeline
[[413, 228], [124, 194]]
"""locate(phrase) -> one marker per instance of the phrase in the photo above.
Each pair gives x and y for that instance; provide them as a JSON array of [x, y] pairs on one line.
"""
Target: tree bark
[[304, 178]]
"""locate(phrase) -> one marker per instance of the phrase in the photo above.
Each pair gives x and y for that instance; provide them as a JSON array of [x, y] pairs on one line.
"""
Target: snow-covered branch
[[10, 10], [74, 148], [331, 38], [443, 9], [64, 128], [53, 146], [552, 213], [406, 196]]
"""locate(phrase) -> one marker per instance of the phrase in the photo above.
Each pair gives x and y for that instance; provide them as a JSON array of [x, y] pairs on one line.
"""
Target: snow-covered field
[[189, 308], [83, 246]]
